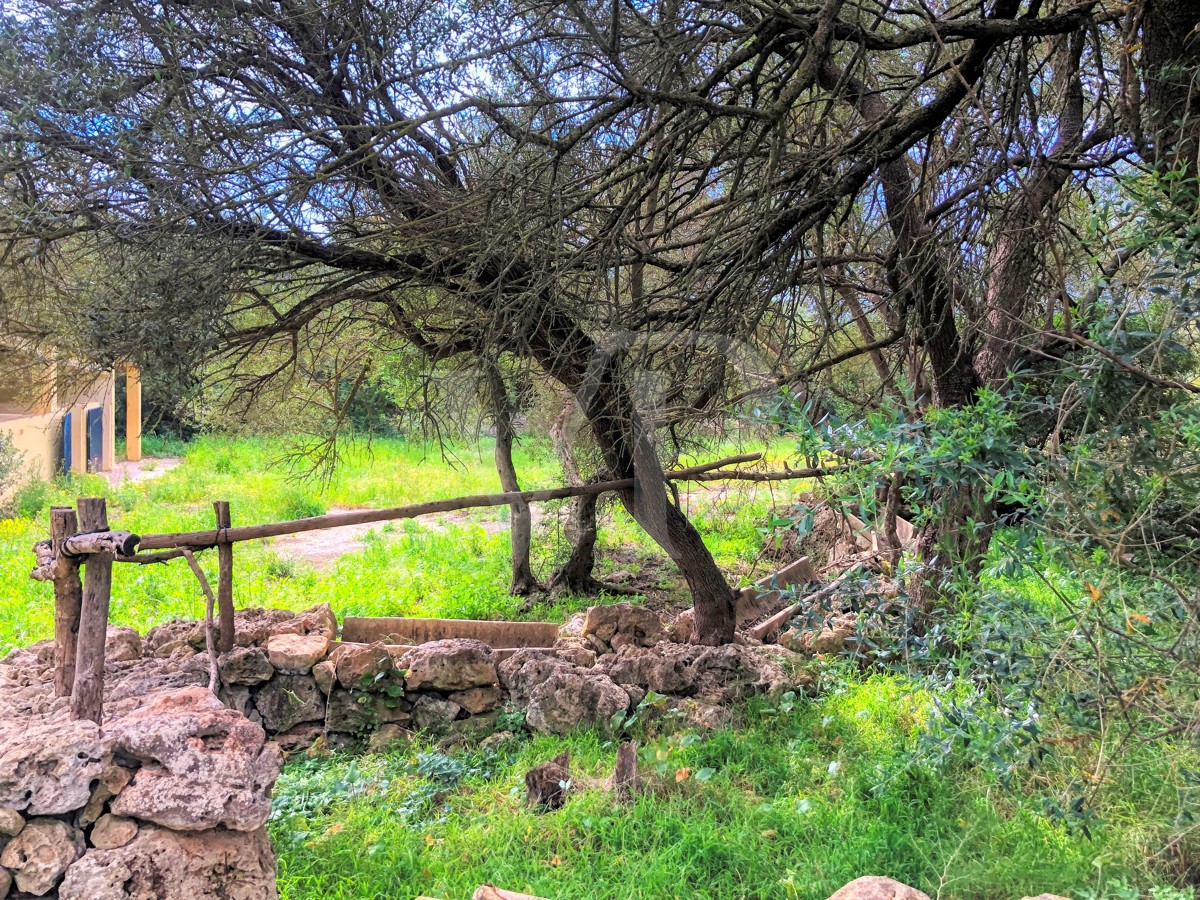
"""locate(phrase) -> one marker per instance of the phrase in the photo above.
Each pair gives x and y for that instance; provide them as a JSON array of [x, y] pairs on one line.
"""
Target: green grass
[[799, 800], [798, 803], [410, 567]]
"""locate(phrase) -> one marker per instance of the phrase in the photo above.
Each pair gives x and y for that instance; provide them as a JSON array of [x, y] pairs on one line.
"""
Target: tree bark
[[520, 518], [575, 575], [1170, 48]]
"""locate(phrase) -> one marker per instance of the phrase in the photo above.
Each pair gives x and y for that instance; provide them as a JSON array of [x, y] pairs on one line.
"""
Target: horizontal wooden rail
[[214, 536], [705, 472]]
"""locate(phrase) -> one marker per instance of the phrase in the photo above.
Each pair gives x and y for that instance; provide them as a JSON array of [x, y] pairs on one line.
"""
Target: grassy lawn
[[794, 801], [793, 804]]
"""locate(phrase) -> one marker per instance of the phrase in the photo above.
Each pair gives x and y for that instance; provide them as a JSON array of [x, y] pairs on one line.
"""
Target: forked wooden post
[[68, 596], [224, 578], [87, 696]]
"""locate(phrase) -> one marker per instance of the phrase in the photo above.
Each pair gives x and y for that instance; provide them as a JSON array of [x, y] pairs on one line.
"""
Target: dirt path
[[323, 548], [145, 469]]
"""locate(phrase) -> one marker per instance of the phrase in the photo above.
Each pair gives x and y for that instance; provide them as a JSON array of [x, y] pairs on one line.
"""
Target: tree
[[664, 208]]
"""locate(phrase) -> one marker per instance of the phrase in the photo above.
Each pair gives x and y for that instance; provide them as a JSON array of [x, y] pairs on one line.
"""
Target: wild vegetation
[[888, 769], [943, 257]]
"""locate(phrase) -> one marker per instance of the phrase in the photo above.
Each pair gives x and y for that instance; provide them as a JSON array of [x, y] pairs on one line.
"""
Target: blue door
[[66, 454], [95, 438]]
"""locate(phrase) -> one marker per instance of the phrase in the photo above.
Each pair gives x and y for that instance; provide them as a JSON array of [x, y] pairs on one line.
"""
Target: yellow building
[[64, 417]]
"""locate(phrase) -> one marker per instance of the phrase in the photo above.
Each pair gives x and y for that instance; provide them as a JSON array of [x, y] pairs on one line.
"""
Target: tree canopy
[[666, 208]]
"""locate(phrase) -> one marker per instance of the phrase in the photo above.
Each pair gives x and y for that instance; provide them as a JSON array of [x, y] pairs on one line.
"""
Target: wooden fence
[[82, 539]]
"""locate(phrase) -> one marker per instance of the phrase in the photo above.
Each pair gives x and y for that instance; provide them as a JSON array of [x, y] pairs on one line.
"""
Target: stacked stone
[[161, 804]]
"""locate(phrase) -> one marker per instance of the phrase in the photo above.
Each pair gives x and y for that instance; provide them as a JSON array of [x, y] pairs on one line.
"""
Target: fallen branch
[[780, 618]]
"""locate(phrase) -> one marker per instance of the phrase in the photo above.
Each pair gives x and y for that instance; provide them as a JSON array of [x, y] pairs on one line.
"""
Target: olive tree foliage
[[663, 207]]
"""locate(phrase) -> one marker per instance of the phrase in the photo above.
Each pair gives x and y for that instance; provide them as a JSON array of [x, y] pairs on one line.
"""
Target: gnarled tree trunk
[[520, 519], [594, 375]]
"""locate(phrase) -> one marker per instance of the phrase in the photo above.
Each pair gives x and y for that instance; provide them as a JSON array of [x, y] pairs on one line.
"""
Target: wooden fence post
[[224, 579], [68, 596], [87, 697]]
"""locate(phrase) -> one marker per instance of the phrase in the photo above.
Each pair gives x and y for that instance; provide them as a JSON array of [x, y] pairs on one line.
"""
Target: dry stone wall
[[169, 799]]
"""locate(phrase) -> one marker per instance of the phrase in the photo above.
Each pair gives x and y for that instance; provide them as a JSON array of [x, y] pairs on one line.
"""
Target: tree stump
[[547, 785], [625, 778]]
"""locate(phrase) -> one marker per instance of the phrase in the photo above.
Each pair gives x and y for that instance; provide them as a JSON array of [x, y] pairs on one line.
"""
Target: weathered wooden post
[[68, 597], [87, 696], [224, 578]]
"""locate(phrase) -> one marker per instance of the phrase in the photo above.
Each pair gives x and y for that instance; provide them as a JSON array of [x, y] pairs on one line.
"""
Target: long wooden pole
[[211, 538], [87, 696], [68, 598], [224, 577]]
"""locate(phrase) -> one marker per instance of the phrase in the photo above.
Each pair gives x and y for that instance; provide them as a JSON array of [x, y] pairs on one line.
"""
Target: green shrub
[[31, 498]]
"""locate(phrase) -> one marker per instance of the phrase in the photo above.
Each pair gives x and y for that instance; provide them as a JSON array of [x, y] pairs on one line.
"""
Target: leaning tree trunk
[[570, 356], [520, 519]]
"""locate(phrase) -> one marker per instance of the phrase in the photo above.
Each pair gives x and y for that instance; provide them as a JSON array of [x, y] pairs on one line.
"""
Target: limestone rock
[[450, 665], [245, 665], [830, 638], [171, 649], [288, 700], [132, 683], [236, 697], [296, 654], [161, 640], [431, 711], [478, 700], [622, 625], [111, 832], [875, 887], [40, 854], [325, 674], [666, 668], [160, 864], [300, 737], [568, 699], [113, 780], [526, 669], [5, 882], [575, 651], [732, 672], [122, 644], [386, 737], [251, 627], [359, 666], [47, 766], [11, 823], [356, 712], [38, 655], [202, 765], [320, 620]]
